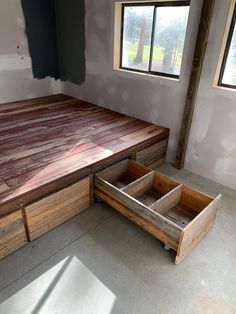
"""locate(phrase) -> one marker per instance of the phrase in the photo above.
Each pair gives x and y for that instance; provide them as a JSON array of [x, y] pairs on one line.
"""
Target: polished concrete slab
[[99, 262]]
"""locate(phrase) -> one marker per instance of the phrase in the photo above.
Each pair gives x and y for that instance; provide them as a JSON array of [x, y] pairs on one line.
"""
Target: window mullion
[[227, 51], [152, 39]]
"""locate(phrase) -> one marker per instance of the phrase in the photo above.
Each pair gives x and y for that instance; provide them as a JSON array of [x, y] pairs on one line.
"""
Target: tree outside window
[[153, 38]]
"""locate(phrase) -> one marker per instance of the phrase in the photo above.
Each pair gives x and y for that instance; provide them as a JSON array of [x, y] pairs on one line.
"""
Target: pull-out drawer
[[12, 233], [177, 215], [57, 208]]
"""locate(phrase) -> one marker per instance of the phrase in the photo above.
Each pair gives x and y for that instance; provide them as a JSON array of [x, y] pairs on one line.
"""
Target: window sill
[[147, 75], [224, 88]]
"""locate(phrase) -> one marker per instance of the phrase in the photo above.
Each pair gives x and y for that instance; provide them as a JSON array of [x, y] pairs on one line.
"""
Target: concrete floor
[[101, 263]]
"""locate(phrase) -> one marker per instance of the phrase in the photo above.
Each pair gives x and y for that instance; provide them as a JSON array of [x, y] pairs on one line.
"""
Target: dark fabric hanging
[[56, 37], [70, 17], [40, 28]]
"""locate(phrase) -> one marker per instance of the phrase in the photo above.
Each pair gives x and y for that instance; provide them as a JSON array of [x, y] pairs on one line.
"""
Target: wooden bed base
[[50, 149], [58, 152]]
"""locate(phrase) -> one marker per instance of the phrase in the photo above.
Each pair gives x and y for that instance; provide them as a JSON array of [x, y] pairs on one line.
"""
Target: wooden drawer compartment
[[176, 214], [152, 187], [12, 233], [128, 196], [57, 208], [123, 173], [153, 156]]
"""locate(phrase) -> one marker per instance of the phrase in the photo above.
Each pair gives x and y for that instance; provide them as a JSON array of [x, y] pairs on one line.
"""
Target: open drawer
[[176, 214]]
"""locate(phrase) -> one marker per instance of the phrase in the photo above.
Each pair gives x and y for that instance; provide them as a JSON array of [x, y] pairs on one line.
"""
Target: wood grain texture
[[152, 188], [140, 185], [199, 55], [138, 220], [191, 198], [137, 170], [123, 173], [168, 201], [48, 143], [55, 209], [12, 233], [174, 213], [139, 208], [153, 154], [197, 230], [164, 184]]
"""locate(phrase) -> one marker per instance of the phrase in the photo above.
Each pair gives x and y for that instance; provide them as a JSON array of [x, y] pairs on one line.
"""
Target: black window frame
[[226, 52], [156, 4]]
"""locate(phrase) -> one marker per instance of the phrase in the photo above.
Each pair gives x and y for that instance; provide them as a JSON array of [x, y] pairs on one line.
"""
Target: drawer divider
[[140, 185], [168, 201]]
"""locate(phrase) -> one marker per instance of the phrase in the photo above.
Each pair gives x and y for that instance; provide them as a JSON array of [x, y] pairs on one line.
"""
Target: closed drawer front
[[12, 233], [55, 209], [154, 155]]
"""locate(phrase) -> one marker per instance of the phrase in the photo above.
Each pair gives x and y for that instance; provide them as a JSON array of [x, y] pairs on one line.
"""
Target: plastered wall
[[16, 79], [212, 146]]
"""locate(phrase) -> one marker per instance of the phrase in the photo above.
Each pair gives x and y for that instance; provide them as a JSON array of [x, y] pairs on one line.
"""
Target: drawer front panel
[[154, 155], [55, 209], [138, 220], [12, 233]]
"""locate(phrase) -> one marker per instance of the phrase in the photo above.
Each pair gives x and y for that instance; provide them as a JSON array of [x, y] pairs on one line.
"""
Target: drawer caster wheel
[[166, 247], [98, 199]]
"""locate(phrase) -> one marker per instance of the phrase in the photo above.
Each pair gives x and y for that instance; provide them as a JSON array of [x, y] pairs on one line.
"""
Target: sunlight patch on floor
[[68, 287]]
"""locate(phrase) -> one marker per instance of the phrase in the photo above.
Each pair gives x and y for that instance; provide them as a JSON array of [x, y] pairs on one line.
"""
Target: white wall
[[16, 79], [212, 146]]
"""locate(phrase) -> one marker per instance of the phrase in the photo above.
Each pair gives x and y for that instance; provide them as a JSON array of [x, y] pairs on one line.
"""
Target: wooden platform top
[[45, 139]]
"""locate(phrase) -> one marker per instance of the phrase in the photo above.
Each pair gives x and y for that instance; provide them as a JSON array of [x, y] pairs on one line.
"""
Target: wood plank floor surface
[[44, 139]]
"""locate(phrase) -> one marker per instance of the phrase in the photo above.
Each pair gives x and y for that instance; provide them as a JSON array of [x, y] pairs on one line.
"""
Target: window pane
[[170, 31], [137, 37], [229, 76]]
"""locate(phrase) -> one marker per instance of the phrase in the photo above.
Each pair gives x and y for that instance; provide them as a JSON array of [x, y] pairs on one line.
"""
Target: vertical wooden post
[[199, 54]]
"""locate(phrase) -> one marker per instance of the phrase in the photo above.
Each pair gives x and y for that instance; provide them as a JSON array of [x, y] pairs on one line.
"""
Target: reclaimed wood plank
[[168, 201], [12, 233], [197, 230], [194, 81], [34, 101], [59, 137], [140, 185], [168, 227], [89, 156], [7, 250], [57, 208], [70, 143], [94, 146], [138, 220], [152, 154]]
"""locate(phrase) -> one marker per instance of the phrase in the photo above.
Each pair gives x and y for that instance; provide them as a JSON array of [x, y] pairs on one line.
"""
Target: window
[[228, 69], [153, 36]]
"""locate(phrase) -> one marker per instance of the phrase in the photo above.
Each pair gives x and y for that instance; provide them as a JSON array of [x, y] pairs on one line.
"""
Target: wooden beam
[[199, 54]]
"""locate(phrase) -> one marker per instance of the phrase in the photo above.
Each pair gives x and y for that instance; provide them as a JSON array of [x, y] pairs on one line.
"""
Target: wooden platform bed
[[57, 152]]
